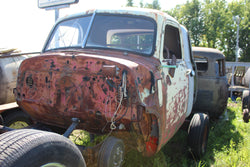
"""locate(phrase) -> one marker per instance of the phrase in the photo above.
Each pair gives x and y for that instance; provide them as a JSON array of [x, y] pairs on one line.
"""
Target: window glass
[[107, 31], [201, 64], [220, 71], [122, 32], [69, 33]]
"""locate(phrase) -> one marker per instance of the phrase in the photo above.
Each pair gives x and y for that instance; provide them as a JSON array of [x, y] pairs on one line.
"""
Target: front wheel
[[198, 134], [39, 149], [111, 153]]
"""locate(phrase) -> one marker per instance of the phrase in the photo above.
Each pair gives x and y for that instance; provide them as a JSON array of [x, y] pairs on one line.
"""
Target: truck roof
[[208, 52], [155, 14]]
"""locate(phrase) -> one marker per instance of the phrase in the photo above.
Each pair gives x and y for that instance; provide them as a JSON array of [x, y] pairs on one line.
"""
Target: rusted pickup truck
[[212, 82], [127, 74]]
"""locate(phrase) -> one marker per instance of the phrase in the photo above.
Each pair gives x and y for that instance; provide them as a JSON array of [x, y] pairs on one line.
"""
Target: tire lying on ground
[[198, 134], [37, 148]]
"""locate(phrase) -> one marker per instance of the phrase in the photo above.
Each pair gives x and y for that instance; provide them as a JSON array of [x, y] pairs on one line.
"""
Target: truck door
[[191, 68], [175, 81]]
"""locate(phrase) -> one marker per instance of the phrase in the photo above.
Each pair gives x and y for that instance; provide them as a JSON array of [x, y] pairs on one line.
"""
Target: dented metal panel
[[109, 85]]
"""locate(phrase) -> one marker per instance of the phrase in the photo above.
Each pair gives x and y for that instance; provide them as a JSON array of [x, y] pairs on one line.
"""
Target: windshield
[[119, 32], [69, 33]]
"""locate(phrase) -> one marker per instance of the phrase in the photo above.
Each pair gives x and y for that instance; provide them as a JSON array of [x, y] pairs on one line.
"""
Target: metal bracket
[[75, 122]]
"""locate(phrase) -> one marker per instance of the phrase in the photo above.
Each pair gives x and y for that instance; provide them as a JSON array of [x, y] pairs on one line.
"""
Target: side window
[[201, 63], [132, 39], [220, 69], [172, 43]]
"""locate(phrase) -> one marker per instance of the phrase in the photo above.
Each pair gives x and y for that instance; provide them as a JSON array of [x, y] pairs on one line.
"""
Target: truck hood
[[96, 86]]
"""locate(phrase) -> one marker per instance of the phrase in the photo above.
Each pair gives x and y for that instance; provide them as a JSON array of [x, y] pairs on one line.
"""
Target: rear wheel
[[111, 153], [245, 105], [198, 134], [38, 148]]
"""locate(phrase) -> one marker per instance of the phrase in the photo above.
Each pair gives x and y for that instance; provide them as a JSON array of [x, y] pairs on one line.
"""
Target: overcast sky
[[24, 26]]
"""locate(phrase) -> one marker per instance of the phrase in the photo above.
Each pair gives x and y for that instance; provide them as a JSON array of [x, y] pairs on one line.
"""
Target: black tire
[[111, 153], [198, 134], [27, 147], [245, 98], [16, 119]]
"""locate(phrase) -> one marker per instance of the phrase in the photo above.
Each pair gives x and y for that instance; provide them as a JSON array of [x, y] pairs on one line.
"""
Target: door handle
[[190, 72]]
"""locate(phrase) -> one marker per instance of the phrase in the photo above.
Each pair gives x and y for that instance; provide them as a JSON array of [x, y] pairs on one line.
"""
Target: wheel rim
[[118, 157], [18, 125], [53, 164]]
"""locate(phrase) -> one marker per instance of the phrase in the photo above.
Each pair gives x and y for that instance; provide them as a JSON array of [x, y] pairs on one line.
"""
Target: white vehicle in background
[[11, 115]]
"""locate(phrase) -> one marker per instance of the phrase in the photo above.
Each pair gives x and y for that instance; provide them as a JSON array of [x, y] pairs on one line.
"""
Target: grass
[[228, 145]]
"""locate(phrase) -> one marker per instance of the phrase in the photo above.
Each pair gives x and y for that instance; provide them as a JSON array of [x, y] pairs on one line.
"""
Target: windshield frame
[[54, 29], [89, 29]]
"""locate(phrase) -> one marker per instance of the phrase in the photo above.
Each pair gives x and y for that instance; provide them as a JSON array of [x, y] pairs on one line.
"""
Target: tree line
[[212, 23]]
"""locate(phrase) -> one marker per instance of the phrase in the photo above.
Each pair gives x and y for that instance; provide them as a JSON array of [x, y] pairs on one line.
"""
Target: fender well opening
[[147, 134]]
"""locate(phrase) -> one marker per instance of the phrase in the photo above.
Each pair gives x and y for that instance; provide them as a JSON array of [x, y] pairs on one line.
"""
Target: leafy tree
[[154, 5], [242, 9], [215, 19], [130, 3], [191, 16], [245, 34], [230, 29], [141, 4], [211, 24]]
